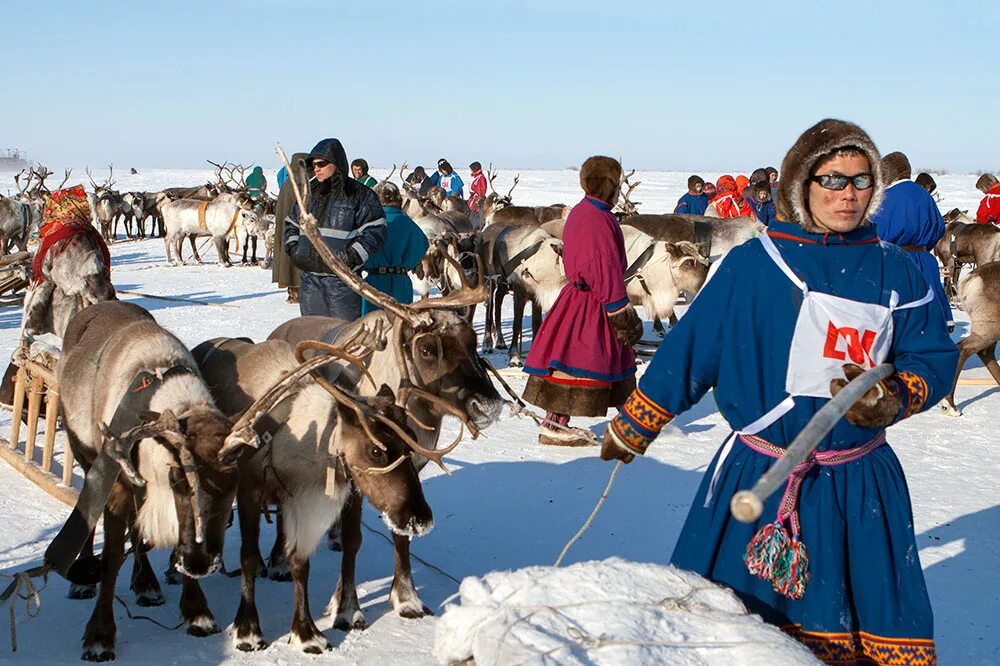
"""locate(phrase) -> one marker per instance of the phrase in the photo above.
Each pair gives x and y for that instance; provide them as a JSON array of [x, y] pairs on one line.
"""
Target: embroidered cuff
[[613, 308], [914, 391], [639, 422]]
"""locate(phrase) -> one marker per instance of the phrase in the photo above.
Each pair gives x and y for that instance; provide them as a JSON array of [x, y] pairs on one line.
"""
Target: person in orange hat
[[741, 183], [728, 202]]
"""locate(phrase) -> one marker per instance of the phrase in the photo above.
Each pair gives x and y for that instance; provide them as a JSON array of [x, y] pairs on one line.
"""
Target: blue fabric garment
[[856, 518], [910, 216], [452, 184], [405, 245], [763, 210], [692, 204], [436, 179], [282, 176], [328, 296]]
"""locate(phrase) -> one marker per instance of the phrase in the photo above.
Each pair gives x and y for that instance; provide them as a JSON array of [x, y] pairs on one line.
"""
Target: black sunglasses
[[319, 164], [861, 181]]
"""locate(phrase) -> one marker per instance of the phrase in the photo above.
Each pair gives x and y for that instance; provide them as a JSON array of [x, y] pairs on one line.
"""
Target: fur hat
[[758, 176], [986, 181], [600, 177], [896, 166], [817, 143]]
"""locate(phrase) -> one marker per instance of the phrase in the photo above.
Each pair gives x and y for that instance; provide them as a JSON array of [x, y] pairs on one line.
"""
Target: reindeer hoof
[[951, 411], [202, 626], [316, 644], [345, 624], [412, 613], [82, 592], [148, 599], [251, 643], [98, 652]]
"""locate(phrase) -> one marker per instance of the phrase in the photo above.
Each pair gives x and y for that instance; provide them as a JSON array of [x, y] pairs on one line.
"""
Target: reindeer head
[[688, 267], [188, 492], [379, 461]]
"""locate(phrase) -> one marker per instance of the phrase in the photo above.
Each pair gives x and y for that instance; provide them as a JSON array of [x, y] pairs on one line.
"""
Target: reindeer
[[500, 209], [965, 242], [107, 204], [659, 272], [134, 210], [74, 272], [22, 213], [218, 219], [527, 261], [431, 366], [132, 392], [980, 297], [327, 448]]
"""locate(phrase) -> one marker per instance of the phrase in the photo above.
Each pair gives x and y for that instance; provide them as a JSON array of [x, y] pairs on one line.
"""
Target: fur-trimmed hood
[[896, 166], [817, 142], [600, 177]]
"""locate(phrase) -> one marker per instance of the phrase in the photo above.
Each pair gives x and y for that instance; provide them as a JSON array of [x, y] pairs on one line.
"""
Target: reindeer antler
[[517, 179], [491, 175], [65, 179], [402, 172], [391, 173]]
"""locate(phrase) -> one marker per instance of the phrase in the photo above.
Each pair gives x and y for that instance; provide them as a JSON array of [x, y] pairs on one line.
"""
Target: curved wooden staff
[[747, 505]]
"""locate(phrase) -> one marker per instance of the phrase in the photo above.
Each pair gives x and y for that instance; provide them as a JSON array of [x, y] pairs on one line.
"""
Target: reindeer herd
[[326, 414]]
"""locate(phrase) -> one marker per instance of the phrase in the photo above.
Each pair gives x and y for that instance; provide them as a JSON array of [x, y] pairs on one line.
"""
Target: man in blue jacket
[[405, 246], [351, 223], [909, 217]]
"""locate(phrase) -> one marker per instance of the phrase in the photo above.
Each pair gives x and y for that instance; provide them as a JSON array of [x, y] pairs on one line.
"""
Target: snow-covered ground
[[509, 502]]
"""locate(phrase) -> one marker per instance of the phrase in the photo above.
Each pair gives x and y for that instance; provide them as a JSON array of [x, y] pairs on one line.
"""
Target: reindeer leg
[[988, 356], [403, 596], [498, 317], [222, 250], [488, 323], [253, 255], [658, 327], [345, 599], [304, 632], [248, 636], [277, 562], [83, 591], [194, 610], [334, 540], [99, 636], [194, 248], [514, 355], [246, 248], [967, 347], [144, 584]]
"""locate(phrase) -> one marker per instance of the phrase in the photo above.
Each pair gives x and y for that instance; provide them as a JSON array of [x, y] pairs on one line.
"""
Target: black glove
[[878, 407], [350, 257], [305, 257], [627, 325]]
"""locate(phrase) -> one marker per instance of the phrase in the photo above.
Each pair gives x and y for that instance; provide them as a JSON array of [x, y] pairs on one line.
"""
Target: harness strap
[[202, 207], [232, 225], [640, 262], [779, 261], [788, 509], [703, 237], [511, 264], [63, 553], [388, 270]]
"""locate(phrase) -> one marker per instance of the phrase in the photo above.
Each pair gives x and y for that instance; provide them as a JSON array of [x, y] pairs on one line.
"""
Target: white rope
[[593, 514]]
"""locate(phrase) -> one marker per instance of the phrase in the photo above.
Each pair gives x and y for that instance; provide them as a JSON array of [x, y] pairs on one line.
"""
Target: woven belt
[[788, 509], [388, 270], [771, 554]]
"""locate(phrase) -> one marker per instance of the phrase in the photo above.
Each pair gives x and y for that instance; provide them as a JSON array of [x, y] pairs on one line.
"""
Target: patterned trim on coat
[[645, 413], [630, 437], [864, 648], [916, 392]]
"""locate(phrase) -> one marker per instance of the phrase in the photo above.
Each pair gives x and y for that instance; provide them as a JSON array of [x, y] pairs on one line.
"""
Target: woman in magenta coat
[[581, 362]]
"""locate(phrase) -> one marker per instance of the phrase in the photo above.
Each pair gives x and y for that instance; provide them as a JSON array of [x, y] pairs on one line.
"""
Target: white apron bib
[[830, 332]]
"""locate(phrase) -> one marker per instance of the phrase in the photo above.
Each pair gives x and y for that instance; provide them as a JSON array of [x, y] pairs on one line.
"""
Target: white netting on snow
[[606, 612]]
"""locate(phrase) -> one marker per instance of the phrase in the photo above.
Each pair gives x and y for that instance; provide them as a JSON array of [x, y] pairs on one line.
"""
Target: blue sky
[[541, 84]]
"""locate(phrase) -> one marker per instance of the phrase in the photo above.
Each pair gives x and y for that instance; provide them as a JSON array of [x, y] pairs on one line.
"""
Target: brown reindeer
[[132, 392], [429, 362], [965, 242], [324, 448], [980, 295]]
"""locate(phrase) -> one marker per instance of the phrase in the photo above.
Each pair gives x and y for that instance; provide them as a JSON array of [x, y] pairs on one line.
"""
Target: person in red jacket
[[989, 207], [728, 202], [478, 187]]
